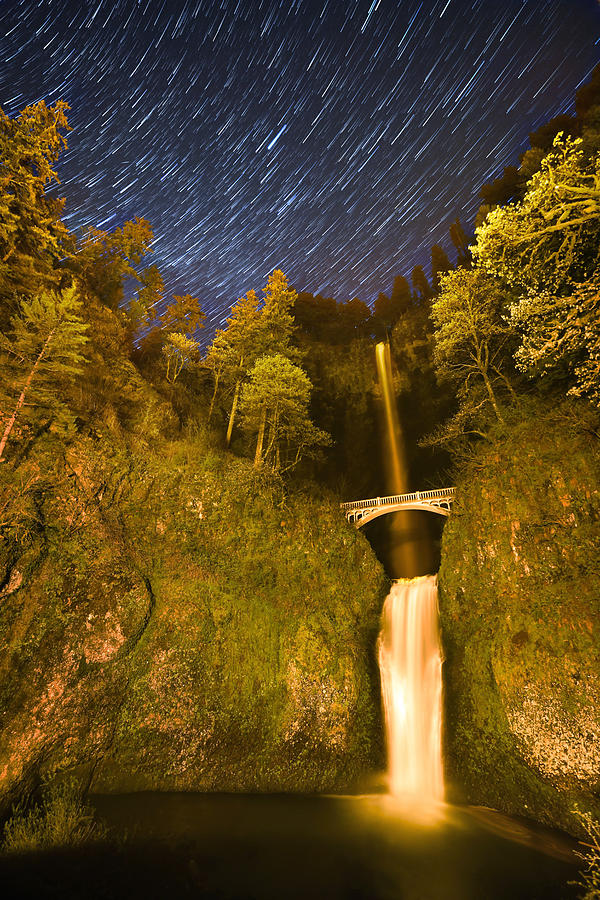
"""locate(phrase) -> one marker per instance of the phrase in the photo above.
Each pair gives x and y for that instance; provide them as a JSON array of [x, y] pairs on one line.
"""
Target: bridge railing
[[415, 497]]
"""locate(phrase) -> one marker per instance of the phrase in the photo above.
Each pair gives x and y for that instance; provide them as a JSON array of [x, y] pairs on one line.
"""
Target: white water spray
[[410, 662]]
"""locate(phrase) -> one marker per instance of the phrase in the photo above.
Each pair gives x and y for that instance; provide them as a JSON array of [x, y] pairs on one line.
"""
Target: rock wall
[[520, 609], [178, 623]]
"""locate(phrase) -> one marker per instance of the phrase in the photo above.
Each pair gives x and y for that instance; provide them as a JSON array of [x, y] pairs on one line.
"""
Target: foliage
[[183, 315], [33, 239], [41, 350], [471, 334], [251, 332], [179, 351], [549, 240], [62, 820], [108, 261], [274, 406], [561, 337], [590, 876], [546, 249]]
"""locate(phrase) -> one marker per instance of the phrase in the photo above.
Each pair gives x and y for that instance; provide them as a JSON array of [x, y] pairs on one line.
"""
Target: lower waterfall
[[410, 662]]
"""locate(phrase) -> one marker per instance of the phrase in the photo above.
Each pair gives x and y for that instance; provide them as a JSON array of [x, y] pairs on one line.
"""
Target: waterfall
[[411, 681]]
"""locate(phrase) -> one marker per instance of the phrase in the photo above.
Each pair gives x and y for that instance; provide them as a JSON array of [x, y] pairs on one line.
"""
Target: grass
[[60, 819]]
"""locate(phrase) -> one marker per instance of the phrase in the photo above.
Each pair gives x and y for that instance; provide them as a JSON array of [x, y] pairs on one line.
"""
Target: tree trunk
[[234, 405], [260, 438], [492, 396], [483, 366], [212, 399], [21, 400]]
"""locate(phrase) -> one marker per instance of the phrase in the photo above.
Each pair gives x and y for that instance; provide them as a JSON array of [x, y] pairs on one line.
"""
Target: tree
[[548, 241], [34, 241], [470, 333], [179, 351], [420, 283], [42, 348], [546, 250], [440, 264], [561, 338], [461, 245], [183, 315], [401, 297], [234, 349], [108, 261], [252, 332], [354, 318], [274, 406], [277, 318]]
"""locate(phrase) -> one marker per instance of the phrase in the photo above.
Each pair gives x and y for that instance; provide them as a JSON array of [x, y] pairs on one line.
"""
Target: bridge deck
[[399, 499]]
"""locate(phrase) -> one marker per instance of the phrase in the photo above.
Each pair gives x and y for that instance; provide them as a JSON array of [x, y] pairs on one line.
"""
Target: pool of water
[[282, 846]]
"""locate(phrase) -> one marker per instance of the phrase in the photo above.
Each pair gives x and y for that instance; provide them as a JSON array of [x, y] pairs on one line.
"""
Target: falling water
[[411, 681], [409, 647]]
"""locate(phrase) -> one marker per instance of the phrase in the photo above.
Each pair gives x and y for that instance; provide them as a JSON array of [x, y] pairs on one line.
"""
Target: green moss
[[192, 626], [520, 607]]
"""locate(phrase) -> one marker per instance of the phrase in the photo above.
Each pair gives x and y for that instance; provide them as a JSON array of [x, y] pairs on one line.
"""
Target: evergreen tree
[[420, 283], [34, 242], [401, 297], [461, 245], [42, 350], [440, 265]]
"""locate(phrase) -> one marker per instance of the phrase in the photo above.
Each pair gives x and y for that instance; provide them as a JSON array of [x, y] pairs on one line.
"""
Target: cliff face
[[520, 608], [176, 623]]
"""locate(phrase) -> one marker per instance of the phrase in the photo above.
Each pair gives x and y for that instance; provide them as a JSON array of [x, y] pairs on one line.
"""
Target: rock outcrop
[[520, 607], [179, 623]]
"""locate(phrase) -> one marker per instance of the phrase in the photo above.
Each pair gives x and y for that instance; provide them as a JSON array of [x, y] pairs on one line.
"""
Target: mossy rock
[[520, 608]]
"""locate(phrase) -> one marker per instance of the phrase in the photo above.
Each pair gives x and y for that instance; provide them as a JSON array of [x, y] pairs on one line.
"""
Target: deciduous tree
[[274, 406], [471, 333]]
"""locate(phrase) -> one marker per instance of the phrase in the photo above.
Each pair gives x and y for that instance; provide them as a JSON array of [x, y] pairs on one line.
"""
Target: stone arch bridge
[[359, 512]]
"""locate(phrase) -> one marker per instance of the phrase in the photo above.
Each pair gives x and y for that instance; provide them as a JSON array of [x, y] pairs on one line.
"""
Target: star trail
[[336, 140]]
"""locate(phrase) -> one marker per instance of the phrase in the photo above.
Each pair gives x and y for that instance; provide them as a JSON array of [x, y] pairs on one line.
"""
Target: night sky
[[336, 140]]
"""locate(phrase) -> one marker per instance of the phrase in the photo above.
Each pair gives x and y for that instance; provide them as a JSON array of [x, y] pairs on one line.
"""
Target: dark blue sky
[[336, 140]]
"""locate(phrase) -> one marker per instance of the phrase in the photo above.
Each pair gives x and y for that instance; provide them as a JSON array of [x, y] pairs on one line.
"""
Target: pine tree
[[420, 283], [42, 351], [34, 242], [440, 265]]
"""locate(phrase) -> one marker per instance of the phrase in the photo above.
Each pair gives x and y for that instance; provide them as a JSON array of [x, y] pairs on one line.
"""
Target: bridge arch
[[359, 512]]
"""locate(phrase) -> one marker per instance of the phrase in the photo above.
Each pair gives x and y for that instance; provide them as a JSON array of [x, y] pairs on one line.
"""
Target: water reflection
[[273, 847]]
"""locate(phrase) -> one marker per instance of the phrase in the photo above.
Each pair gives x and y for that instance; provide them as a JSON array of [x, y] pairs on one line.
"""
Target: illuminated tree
[[549, 241], [179, 351], [42, 349], [108, 261], [251, 332], [183, 315], [471, 333], [34, 241], [274, 406], [561, 338], [547, 249]]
